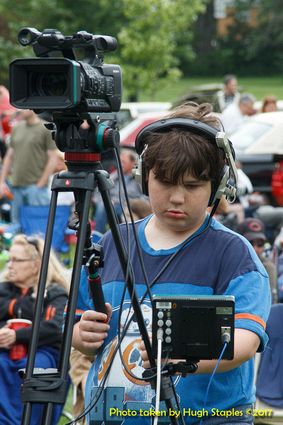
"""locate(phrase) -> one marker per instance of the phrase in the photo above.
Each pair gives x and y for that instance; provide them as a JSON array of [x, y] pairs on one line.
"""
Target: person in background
[[269, 104], [18, 290], [64, 198], [7, 114], [236, 113], [140, 208], [229, 94], [253, 230], [128, 160], [31, 159]]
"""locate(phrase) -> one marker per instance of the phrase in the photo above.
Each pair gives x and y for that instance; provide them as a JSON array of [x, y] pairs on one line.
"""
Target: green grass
[[67, 408], [258, 86]]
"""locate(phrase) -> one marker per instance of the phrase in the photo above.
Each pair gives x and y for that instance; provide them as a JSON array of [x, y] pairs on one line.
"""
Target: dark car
[[202, 93], [259, 148]]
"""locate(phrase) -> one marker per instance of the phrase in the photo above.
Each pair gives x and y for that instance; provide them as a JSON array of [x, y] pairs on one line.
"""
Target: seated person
[[18, 289], [254, 231]]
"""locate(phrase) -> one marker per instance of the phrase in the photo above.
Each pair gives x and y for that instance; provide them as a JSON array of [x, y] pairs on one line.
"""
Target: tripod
[[84, 174]]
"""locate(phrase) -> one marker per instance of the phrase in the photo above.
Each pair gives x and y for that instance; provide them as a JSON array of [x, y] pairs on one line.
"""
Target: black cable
[[121, 178], [93, 402], [154, 281], [132, 223], [118, 347], [177, 402]]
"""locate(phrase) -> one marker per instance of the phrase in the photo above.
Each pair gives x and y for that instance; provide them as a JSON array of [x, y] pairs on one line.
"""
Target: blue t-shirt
[[218, 261]]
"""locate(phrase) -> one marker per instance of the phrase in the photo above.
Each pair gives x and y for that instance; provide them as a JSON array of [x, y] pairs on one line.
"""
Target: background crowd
[[29, 159]]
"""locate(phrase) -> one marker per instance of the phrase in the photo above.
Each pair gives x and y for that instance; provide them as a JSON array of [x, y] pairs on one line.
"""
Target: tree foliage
[[149, 41], [149, 33], [266, 40], [250, 47]]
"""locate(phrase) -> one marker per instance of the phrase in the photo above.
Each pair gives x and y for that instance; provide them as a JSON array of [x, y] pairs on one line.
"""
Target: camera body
[[55, 83], [68, 91]]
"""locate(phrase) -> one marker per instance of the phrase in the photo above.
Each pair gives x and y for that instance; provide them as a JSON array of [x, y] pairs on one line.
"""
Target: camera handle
[[50, 386]]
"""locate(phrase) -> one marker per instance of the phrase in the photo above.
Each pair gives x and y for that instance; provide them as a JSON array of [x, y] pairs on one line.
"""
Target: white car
[[132, 110], [260, 134], [258, 144]]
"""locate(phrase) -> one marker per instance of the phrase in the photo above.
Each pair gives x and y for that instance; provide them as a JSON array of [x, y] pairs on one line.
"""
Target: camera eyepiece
[[26, 36]]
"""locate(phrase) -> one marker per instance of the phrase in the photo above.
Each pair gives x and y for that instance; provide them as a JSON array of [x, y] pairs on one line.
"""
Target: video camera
[[66, 91], [54, 83]]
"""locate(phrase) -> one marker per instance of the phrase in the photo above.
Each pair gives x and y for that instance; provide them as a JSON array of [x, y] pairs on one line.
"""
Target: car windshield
[[124, 117], [248, 134]]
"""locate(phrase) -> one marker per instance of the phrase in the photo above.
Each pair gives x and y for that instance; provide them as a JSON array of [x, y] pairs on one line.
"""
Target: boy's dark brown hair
[[176, 152]]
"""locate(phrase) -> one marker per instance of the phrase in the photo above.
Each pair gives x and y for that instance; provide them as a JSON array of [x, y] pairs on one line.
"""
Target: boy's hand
[[144, 356], [93, 329]]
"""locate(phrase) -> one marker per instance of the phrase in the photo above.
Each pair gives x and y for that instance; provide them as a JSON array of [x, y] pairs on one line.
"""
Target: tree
[[253, 43], [149, 33], [99, 16], [266, 41], [148, 43]]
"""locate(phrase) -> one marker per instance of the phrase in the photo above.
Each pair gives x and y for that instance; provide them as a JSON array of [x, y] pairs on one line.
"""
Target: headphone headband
[[160, 126], [228, 183]]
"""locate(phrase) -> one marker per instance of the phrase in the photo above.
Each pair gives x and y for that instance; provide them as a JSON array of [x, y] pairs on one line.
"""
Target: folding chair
[[33, 220]]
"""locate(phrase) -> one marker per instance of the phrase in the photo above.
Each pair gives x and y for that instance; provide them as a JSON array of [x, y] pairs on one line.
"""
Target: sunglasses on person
[[32, 241]]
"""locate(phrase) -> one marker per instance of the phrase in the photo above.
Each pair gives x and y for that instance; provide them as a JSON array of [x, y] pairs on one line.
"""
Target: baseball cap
[[252, 229]]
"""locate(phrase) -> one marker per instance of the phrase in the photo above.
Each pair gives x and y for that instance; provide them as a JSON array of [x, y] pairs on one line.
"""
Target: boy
[[183, 171]]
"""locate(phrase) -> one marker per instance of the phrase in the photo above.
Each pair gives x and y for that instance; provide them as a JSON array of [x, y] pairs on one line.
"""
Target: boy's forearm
[[245, 346]]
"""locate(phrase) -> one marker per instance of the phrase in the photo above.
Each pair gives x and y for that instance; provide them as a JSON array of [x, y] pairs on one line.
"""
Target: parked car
[[130, 121], [131, 110], [258, 145], [129, 132], [201, 94]]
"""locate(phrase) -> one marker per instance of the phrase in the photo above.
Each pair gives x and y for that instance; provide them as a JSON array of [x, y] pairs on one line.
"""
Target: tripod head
[[83, 148]]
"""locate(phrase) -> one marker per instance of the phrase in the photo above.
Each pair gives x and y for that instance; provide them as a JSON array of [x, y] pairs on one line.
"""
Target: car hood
[[270, 143]]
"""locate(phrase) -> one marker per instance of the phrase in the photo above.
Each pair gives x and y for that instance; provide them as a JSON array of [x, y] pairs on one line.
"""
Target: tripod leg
[[72, 302], [39, 303], [166, 384]]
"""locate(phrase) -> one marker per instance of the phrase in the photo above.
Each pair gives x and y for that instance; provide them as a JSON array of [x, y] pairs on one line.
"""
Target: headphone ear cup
[[221, 188], [139, 175], [144, 180]]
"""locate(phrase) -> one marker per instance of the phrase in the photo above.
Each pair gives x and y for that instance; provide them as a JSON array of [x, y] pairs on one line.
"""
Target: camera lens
[[49, 84], [54, 84]]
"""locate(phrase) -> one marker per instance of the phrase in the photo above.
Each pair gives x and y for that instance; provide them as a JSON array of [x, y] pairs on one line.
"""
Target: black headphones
[[228, 183]]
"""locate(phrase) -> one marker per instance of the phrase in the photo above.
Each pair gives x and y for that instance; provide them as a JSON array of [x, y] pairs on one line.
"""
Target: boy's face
[[180, 207]]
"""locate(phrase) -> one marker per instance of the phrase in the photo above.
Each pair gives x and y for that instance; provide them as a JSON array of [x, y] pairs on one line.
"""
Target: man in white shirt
[[229, 94], [235, 114]]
